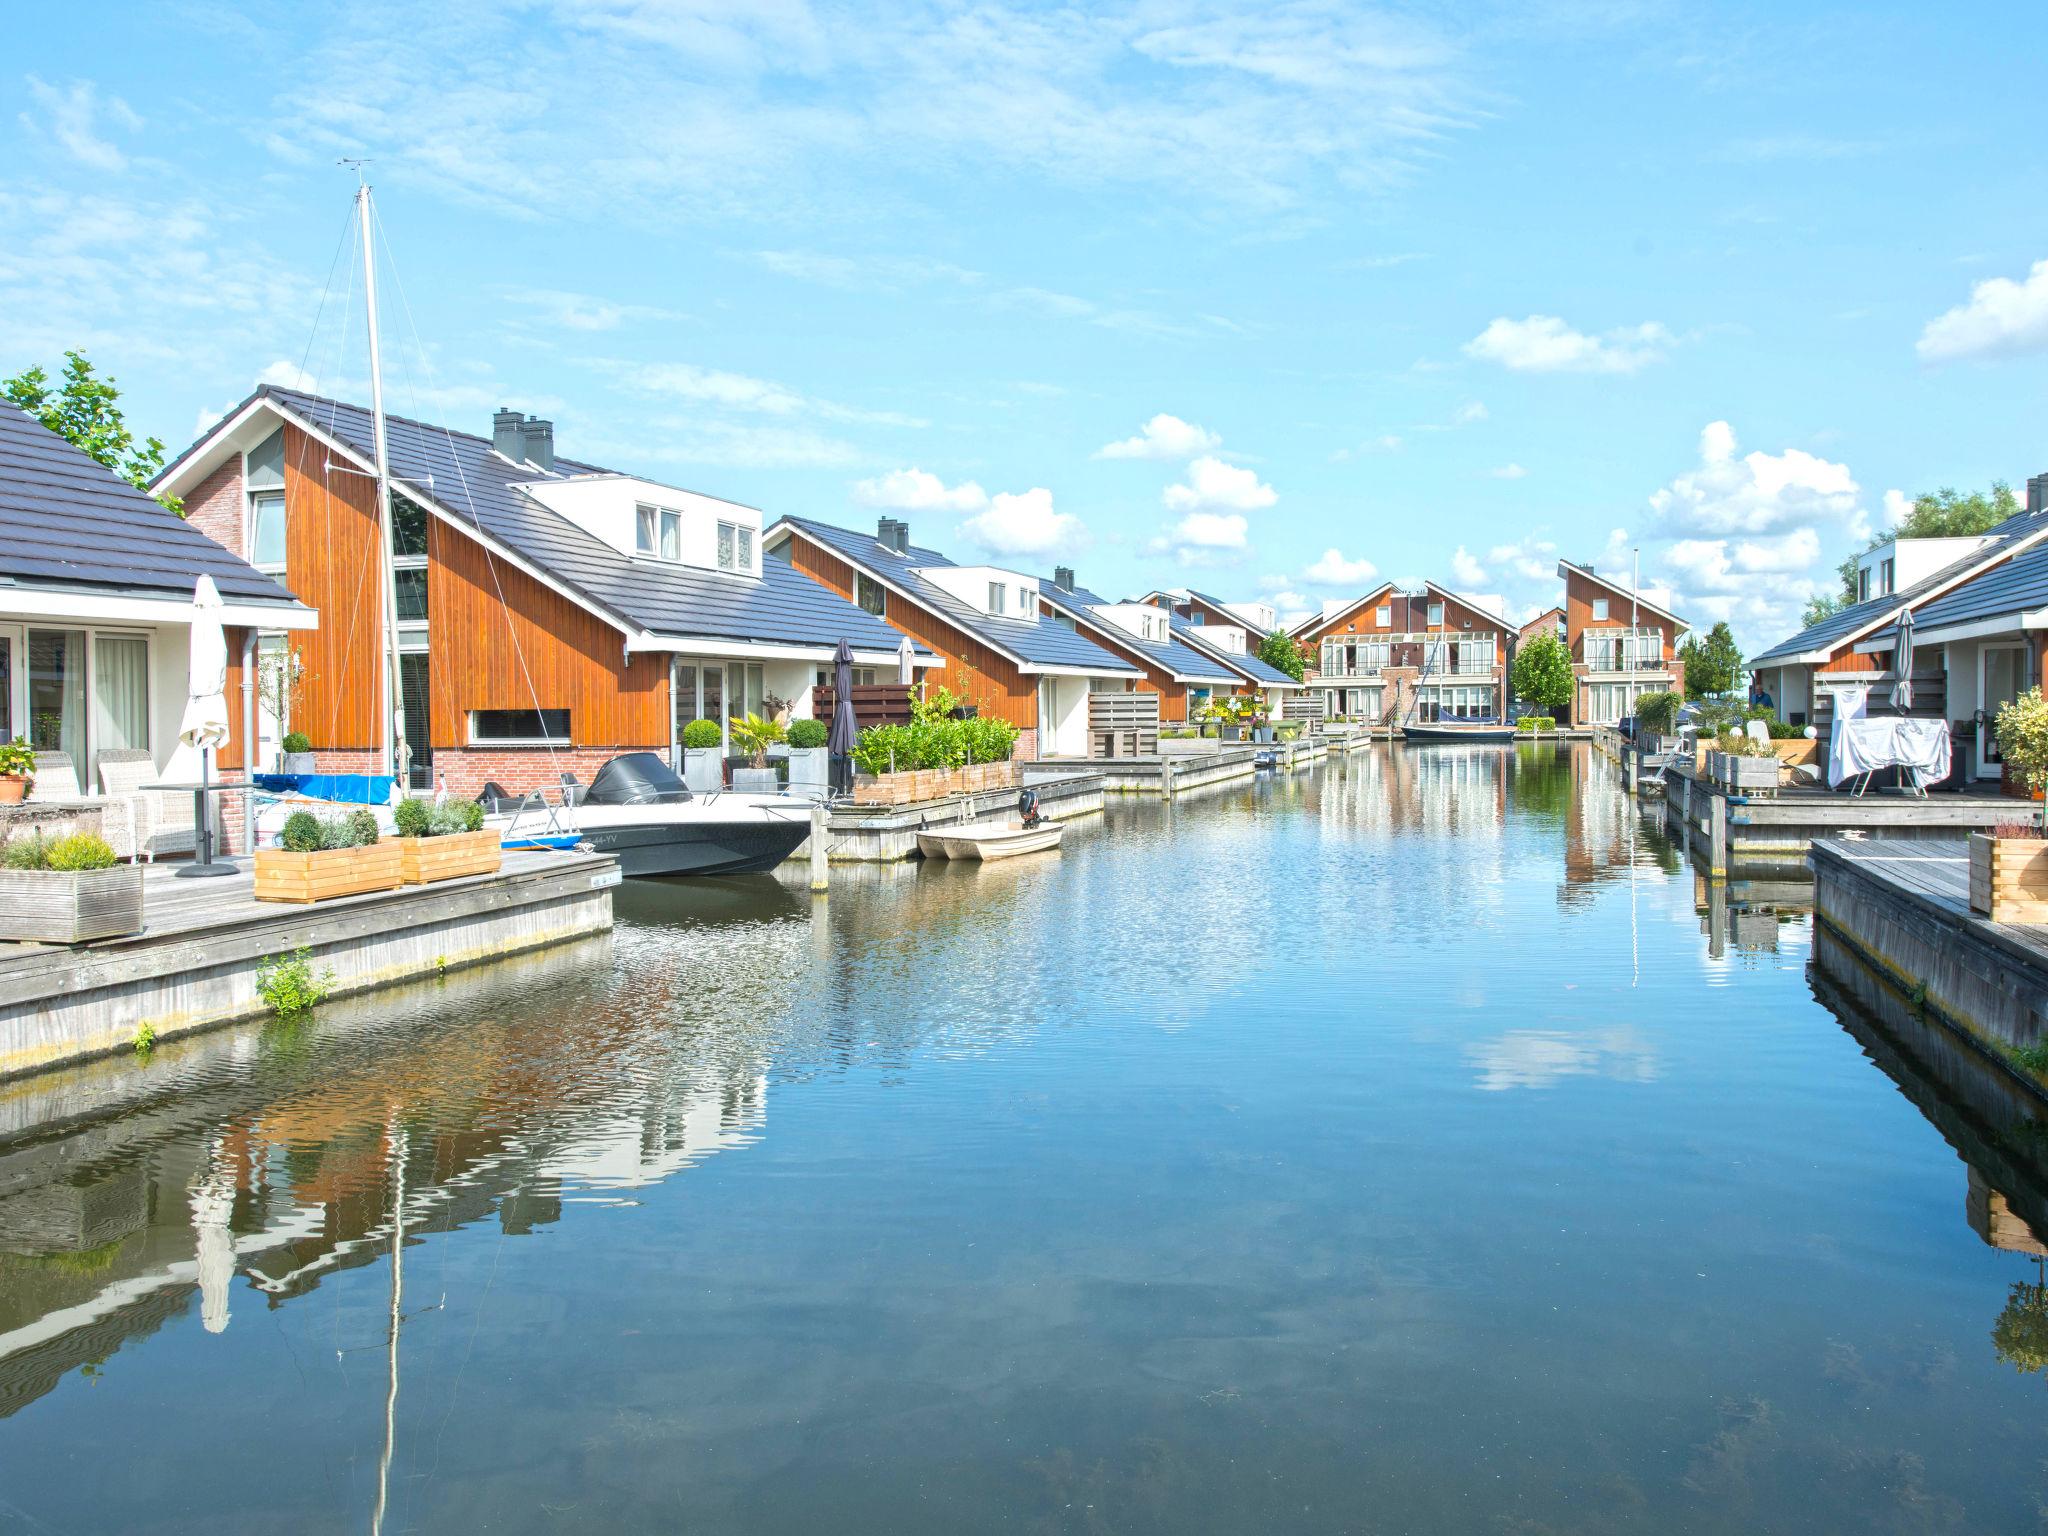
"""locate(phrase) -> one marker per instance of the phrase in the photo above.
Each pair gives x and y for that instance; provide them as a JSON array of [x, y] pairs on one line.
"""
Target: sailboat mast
[[391, 737]]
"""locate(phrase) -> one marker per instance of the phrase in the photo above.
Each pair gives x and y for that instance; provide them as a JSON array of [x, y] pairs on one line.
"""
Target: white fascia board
[[468, 527], [196, 466], [1045, 670], [114, 608], [2002, 624], [763, 650]]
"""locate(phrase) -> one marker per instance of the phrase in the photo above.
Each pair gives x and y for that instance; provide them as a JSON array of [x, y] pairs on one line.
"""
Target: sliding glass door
[[120, 692], [56, 692]]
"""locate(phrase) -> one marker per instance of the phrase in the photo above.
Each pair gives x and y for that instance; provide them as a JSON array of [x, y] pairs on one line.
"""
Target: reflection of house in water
[[1992, 1218], [1747, 916], [1606, 833]]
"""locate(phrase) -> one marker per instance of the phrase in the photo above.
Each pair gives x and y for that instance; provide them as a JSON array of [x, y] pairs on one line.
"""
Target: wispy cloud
[[79, 119], [727, 390], [583, 311], [1545, 344]]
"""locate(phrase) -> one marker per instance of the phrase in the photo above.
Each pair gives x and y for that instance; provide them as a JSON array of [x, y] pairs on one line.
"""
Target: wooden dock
[[1901, 907], [194, 964]]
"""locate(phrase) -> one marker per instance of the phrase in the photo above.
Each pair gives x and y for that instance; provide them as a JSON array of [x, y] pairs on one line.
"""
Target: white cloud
[[1896, 505], [917, 490], [72, 115], [2002, 319], [1024, 523], [1212, 484], [1508, 472], [1211, 530], [1545, 344], [740, 445], [583, 311], [1333, 569], [288, 375], [1469, 412], [1531, 559], [742, 392], [1163, 437], [1755, 492], [1466, 572]]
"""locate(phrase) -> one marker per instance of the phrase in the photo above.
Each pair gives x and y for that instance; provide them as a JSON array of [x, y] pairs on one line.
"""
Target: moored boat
[[1459, 730], [989, 840]]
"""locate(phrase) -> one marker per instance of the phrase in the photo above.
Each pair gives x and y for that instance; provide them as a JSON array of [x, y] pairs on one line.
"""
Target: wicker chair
[[151, 820], [56, 777]]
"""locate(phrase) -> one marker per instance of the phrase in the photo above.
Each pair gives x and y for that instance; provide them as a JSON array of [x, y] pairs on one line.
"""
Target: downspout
[[248, 738]]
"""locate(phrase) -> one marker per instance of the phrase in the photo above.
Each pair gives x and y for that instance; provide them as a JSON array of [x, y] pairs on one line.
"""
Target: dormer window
[[657, 532], [735, 547], [997, 592]]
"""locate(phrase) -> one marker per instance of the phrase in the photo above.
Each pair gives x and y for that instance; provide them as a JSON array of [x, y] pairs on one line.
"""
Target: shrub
[[80, 850], [1781, 731], [808, 734], [754, 735], [2023, 738], [2031, 831], [1535, 723], [30, 852], [989, 741], [17, 757], [412, 818], [453, 816], [297, 741], [1656, 713], [288, 984], [362, 828], [702, 733], [301, 833]]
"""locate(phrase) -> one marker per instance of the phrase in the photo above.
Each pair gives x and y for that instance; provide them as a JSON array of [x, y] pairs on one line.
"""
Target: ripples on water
[[1415, 1144]]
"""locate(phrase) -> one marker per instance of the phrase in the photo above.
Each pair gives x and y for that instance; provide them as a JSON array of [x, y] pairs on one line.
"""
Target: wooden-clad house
[[1000, 649], [1389, 656], [1622, 645], [551, 613], [1185, 677]]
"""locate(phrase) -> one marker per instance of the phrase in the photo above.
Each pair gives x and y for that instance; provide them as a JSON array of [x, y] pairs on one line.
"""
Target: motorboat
[[990, 840], [1458, 730], [637, 809]]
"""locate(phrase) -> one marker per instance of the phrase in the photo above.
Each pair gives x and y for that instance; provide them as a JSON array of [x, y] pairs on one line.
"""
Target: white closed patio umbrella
[[1902, 663], [205, 722], [906, 662]]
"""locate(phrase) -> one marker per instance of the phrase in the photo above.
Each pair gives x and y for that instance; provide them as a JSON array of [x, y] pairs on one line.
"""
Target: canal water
[[1410, 1145]]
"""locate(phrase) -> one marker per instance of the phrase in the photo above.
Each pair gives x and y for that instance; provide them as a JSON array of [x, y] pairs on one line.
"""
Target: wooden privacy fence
[[1123, 725], [1303, 706], [873, 703]]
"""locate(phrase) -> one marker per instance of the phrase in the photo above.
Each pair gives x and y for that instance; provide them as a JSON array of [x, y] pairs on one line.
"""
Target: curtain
[[121, 692]]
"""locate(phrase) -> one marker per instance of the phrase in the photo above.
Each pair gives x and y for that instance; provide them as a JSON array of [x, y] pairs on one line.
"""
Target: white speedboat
[[638, 810]]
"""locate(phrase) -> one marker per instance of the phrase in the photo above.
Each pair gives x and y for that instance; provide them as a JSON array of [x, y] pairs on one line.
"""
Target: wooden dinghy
[[989, 840]]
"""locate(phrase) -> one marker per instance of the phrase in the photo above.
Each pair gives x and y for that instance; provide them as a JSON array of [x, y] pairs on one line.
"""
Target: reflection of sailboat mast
[[398, 1146]]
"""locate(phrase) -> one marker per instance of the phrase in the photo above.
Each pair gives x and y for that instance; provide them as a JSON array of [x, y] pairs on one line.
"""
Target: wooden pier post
[[820, 867], [1717, 835]]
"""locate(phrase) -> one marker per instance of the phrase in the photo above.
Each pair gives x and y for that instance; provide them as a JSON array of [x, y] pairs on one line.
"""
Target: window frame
[[646, 529], [1599, 607], [475, 739], [880, 593], [259, 502], [998, 599]]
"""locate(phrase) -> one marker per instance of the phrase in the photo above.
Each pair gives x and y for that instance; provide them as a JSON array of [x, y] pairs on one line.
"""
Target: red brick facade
[[464, 772], [215, 507]]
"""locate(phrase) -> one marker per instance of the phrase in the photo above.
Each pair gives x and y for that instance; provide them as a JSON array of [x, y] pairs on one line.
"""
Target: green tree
[[1278, 650], [2021, 1334], [1713, 664], [1943, 514], [1542, 674], [85, 411], [1821, 606]]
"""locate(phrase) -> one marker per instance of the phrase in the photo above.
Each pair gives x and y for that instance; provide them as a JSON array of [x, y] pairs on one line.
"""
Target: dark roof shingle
[[1178, 658]]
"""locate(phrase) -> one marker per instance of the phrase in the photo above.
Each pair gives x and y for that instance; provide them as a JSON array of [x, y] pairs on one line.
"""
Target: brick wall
[[519, 769], [215, 506], [347, 760]]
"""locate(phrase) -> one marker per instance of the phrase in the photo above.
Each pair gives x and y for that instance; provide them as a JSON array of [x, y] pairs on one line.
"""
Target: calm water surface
[[1410, 1145]]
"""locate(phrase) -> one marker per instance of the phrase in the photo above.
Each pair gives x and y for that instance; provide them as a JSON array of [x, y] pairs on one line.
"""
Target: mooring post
[[1717, 835], [820, 869]]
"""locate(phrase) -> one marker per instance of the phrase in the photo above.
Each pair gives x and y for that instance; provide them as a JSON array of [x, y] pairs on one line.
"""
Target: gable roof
[[2016, 586], [1034, 645], [1179, 660], [1247, 666], [1815, 642], [477, 489], [69, 522], [1570, 568], [1474, 604], [1338, 615]]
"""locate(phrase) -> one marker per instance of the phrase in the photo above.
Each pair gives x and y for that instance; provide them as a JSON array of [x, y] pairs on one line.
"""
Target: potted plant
[[17, 766], [65, 890], [295, 754], [753, 735], [444, 842], [703, 760], [2009, 865], [810, 765], [1744, 765], [321, 857]]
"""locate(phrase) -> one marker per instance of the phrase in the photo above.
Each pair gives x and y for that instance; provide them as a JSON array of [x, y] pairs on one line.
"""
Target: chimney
[[537, 442], [505, 433], [892, 533], [2037, 493], [1063, 577]]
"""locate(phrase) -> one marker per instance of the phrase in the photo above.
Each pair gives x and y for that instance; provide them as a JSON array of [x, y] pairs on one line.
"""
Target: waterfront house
[[1550, 622], [1260, 619], [1389, 656], [1184, 676], [999, 647], [1234, 647], [551, 613], [1963, 665], [96, 583], [1622, 645]]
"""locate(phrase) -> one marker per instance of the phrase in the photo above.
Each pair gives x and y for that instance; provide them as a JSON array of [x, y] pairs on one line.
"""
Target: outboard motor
[[1027, 807]]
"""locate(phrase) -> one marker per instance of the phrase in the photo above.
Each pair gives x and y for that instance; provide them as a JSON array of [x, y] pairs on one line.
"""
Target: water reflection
[[1411, 1143]]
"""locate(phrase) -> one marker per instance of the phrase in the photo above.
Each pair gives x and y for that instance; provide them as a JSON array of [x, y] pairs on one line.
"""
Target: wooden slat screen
[[873, 703], [1123, 724]]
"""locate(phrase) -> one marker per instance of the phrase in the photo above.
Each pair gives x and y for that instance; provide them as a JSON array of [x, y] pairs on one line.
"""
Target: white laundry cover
[[1870, 742]]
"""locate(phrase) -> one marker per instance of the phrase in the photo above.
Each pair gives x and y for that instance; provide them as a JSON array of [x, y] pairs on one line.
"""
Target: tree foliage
[[85, 411], [1713, 664], [1279, 651], [2021, 1334], [1542, 674], [1943, 514]]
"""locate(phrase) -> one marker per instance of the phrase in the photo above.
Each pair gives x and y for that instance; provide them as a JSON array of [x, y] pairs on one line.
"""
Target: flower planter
[[1793, 751], [756, 781], [70, 906], [810, 770], [329, 873], [703, 770], [13, 789], [933, 783], [298, 762], [1744, 775], [451, 856], [2009, 878]]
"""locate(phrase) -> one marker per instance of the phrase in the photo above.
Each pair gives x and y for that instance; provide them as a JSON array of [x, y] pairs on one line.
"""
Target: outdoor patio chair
[[153, 821], [56, 777]]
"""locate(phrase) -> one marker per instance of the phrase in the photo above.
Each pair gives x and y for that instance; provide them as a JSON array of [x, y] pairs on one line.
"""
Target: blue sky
[[1273, 302]]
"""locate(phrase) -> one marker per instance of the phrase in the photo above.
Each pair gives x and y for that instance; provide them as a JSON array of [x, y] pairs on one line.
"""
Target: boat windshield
[[638, 778]]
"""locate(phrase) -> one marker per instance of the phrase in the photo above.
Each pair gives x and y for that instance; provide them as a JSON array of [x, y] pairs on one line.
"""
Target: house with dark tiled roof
[[551, 613], [96, 587], [1387, 657], [1184, 675], [1974, 647], [1623, 645], [1000, 646]]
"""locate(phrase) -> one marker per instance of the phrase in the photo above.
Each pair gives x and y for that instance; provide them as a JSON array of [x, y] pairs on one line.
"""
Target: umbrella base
[[205, 871]]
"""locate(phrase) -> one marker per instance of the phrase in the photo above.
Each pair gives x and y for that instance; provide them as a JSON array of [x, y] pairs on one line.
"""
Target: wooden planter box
[[423, 860], [1796, 750], [332, 872], [2009, 878], [933, 784], [1745, 775], [70, 906]]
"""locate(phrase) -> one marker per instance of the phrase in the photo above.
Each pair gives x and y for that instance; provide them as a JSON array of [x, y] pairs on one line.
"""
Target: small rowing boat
[[989, 840]]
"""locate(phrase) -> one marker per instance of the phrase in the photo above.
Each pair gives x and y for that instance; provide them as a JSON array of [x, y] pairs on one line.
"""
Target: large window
[[56, 693], [120, 692], [1436, 614], [266, 534], [519, 725], [868, 593], [735, 547], [1454, 703], [863, 677], [657, 531]]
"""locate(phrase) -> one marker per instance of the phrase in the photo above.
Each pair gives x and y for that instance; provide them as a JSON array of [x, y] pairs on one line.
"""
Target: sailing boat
[[635, 807], [1487, 729]]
